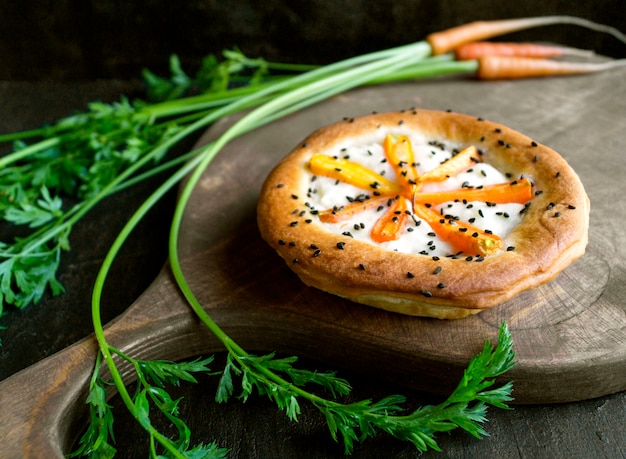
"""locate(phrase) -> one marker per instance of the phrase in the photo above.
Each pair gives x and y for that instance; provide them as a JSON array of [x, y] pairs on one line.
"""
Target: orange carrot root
[[450, 39], [478, 49], [503, 67], [454, 166]]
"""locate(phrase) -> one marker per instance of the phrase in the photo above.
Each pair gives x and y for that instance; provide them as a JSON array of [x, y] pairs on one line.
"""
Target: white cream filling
[[417, 237]]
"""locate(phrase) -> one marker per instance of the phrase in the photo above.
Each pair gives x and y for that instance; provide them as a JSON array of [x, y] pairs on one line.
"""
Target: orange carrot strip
[[399, 153], [352, 173], [450, 39], [453, 166], [502, 67], [519, 191], [343, 213], [463, 237], [479, 49], [389, 226]]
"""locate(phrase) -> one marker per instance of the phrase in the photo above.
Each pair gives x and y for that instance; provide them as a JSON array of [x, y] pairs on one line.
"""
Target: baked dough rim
[[552, 234]]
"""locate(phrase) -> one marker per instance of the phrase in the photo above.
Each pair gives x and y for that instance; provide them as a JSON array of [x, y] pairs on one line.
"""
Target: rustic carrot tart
[[424, 213]]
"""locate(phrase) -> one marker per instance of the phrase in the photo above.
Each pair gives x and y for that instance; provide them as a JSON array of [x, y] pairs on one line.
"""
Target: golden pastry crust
[[551, 234]]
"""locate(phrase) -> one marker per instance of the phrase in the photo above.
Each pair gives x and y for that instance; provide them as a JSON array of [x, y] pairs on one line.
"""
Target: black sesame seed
[[557, 214], [317, 253], [313, 246], [437, 270], [292, 244], [294, 196], [427, 294], [558, 174], [347, 233], [410, 275], [295, 260], [571, 207], [281, 242], [293, 224], [361, 266], [510, 248], [340, 245], [280, 185], [533, 143], [469, 258], [441, 285]]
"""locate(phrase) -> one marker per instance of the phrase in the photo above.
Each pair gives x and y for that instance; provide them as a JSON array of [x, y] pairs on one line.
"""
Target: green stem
[[293, 100]]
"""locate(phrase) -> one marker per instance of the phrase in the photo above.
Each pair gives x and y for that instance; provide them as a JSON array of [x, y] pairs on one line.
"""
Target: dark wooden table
[[590, 428]]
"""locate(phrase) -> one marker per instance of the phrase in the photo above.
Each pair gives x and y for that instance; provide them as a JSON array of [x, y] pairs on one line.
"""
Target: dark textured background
[[78, 39], [46, 45]]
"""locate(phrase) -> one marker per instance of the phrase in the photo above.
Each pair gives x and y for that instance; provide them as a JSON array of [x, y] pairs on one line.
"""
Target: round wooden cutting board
[[569, 335]]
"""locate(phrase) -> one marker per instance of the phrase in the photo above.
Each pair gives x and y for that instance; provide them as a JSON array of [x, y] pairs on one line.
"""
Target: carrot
[[339, 214], [453, 166], [519, 191], [463, 237], [389, 226], [450, 39], [399, 153], [352, 173], [478, 49], [502, 67]]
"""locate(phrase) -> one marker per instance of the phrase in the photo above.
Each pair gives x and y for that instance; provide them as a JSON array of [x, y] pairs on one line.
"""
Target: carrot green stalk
[[504, 67], [450, 39], [399, 153], [340, 214], [351, 173], [479, 49], [463, 237], [519, 191], [389, 226], [453, 166]]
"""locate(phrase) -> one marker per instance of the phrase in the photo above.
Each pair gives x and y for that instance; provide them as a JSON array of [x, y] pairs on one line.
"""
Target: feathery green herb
[[68, 167]]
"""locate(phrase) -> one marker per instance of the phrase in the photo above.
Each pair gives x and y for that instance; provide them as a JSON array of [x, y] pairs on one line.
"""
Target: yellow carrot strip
[[352, 173], [399, 153], [342, 213], [389, 226], [518, 191], [463, 237], [453, 166]]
